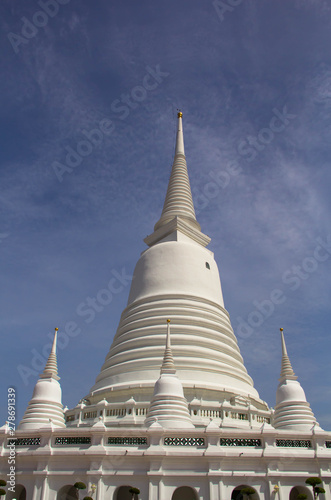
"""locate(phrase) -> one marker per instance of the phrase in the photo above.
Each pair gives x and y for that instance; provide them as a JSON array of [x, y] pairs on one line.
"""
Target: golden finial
[[168, 320], [56, 329], [180, 114], [281, 329]]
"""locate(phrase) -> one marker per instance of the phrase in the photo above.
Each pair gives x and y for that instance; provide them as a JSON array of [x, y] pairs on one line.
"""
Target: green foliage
[[3, 482], [87, 498], [2, 492], [80, 486], [302, 496], [134, 491], [313, 481], [248, 490]]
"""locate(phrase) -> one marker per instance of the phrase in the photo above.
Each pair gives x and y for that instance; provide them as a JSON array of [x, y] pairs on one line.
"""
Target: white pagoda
[[173, 411]]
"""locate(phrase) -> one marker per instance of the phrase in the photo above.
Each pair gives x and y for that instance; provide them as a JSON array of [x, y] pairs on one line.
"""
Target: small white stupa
[[292, 411], [45, 407], [169, 406]]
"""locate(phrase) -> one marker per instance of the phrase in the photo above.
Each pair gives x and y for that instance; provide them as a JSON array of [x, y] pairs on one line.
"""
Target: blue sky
[[254, 84]]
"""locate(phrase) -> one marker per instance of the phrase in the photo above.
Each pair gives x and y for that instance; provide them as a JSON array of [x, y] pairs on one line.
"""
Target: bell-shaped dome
[[289, 391]]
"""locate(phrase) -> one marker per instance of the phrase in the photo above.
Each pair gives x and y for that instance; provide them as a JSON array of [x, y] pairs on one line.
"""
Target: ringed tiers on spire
[[292, 411], [45, 407], [178, 210], [168, 365], [169, 407], [286, 370]]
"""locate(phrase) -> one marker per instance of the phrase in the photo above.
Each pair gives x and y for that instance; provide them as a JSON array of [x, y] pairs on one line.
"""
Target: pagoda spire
[[178, 214], [168, 365], [286, 370], [178, 201], [45, 407], [51, 365], [292, 411], [179, 150], [169, 406]]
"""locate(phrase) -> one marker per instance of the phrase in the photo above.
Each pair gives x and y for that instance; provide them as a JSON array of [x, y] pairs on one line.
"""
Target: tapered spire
[[45, 407], [286, 370], [180, 137], [178, 215], [168, 365], [178, 202], [51, 365]]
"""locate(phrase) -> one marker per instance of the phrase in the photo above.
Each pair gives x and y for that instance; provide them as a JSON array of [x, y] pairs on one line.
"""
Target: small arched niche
[[238, 495], [184, 493], [20, 493], [299, 490], [123, 493]]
